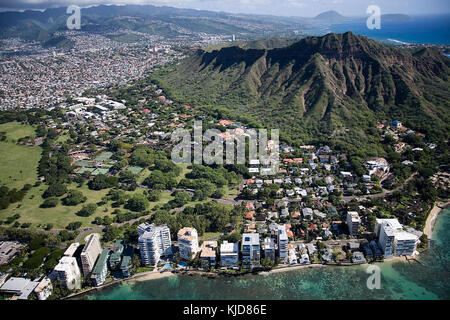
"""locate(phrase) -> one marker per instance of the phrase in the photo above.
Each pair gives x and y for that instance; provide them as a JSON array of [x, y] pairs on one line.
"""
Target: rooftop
[[90, 240], [404, 236], [187, 233], [228, 247], [208, 249], [250, 239], [70, 251], [65, 264], [19, 286], [354, 215]]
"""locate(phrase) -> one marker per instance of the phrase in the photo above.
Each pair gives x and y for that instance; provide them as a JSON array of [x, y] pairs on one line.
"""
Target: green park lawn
[[209, 235], [16, 130], [60, 216], [18, 164]]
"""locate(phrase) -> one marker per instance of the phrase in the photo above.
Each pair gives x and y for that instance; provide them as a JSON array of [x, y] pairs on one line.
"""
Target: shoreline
[[152, 275], [432, 217]]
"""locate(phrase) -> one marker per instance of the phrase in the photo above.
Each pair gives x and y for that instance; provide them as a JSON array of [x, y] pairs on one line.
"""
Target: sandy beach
[[150, 276], [428, 230]]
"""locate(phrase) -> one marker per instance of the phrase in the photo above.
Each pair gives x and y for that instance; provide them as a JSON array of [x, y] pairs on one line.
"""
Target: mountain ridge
[[318, 85]]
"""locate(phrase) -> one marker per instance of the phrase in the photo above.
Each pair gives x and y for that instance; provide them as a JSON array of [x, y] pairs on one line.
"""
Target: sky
[[302, 8]]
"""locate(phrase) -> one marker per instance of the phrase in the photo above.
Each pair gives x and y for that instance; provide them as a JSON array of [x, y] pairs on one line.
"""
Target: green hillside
[[319, 88]]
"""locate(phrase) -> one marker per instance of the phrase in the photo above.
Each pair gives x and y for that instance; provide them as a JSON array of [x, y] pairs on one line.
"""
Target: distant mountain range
[[318, 86], [162, 21], [155, 20]]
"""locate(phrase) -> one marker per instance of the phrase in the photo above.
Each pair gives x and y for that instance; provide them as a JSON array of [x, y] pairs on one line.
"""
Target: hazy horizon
[[293, 8]]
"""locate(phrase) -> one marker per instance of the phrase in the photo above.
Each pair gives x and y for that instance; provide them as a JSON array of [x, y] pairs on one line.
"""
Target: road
[[85, 231], [382, 194]]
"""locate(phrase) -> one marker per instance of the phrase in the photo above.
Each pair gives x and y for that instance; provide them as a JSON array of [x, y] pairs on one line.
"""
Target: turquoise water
[[429, 279]]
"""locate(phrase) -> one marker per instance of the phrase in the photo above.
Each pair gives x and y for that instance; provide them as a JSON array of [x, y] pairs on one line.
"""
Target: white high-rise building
[[405, 243], [283, 244], [353, 222], [188, 243], [386, 240], [251, 250], [90, 253], [154, 243], [68, 272], [393, 240], [229, 255]]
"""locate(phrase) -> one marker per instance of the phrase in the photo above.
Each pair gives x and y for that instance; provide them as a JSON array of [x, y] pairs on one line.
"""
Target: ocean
[[427, 279], [432, 29]]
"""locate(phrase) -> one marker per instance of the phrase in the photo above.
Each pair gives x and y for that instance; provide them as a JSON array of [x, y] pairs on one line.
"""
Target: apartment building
[[68, 273], [208, 253], [251, 250], [44, 289], [70, 251], [229, 255], [353, 222], [154, 243], [386, 240], [405, 243], [282, 244], [116, 255], [187, 243], [90, 253], [100, 271], [393, 240], [269, 248]]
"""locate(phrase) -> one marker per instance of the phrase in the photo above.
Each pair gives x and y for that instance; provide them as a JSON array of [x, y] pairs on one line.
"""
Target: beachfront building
[[70, 251], [125, 266], [251, 250], [393, 240], [100, 270], [405, 243], [386, 240], [68, 273], [229, 255], [90, 253], [154, 243], [44, 289], [353, 222], [269, 248], [116, 255], [282, 244], [208, 253], [98, 275], [187, 243]]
